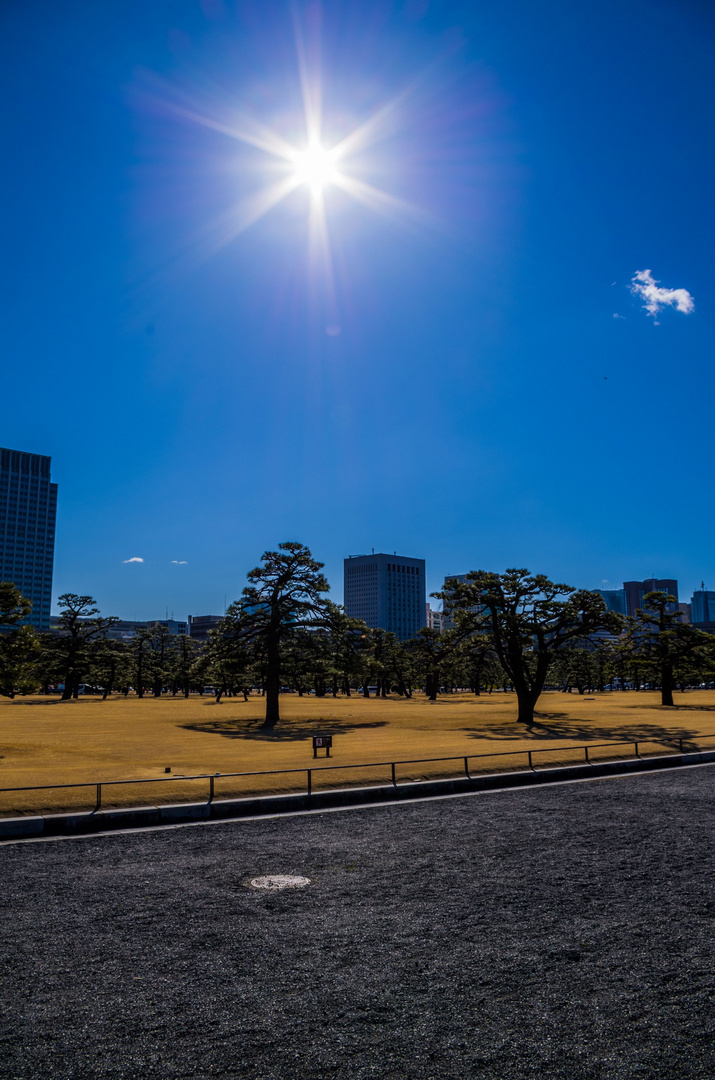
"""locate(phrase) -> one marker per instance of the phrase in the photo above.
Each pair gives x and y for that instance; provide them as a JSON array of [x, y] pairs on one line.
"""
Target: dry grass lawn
[[44, 741]]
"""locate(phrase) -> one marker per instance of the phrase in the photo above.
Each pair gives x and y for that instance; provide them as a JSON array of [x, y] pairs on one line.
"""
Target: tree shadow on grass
[[678, 706], [561, 726], [89, 700], [289, 731]]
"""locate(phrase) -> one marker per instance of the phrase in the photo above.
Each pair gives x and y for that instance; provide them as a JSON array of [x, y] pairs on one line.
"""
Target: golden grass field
[[44, 741]]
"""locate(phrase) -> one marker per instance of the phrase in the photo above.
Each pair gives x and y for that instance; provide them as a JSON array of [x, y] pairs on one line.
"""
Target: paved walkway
[[562, 932]]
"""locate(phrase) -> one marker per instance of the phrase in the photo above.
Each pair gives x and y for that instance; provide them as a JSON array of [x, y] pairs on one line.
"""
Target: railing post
[[636, 746], [211, 789], [466, 768], [681, 745], [310, 782], [531, 764], [99, 797], [394, 781], [585, 754]]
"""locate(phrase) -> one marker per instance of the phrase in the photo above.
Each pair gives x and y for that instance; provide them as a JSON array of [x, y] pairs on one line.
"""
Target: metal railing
[[308, 772]]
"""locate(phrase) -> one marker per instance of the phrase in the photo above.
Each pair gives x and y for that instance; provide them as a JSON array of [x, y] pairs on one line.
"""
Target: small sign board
[[322, 742]]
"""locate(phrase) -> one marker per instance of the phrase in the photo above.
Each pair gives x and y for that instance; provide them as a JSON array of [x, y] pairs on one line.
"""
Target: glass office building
[[702, 606], [28, 506], [614, 599]]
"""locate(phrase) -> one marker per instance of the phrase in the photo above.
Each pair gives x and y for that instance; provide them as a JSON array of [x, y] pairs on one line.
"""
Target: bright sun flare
[[315, 167]]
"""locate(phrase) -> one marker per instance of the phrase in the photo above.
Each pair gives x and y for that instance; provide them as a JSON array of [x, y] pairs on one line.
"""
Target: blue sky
[[496, 395]]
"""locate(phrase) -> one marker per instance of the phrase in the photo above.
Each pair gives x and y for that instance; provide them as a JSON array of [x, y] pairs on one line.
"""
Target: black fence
[[581, 752]]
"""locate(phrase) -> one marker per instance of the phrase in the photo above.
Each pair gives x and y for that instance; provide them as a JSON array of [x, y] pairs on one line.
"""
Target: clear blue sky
[[496, 396]]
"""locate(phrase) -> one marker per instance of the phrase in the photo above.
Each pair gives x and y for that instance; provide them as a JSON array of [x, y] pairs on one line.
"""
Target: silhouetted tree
[[183, 668], [663, 642], [18, 643], [284, 595], [528, 619], [80, 627], [109, 665]]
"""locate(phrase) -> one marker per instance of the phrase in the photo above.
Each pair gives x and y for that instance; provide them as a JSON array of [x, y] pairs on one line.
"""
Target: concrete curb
[[147, 816]]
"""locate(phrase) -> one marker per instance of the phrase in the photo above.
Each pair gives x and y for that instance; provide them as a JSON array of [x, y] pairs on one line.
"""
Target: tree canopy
[[528, 619], [284, 595]]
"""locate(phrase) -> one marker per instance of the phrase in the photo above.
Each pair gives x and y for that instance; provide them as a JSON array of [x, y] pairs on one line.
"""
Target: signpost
[[322, 742]]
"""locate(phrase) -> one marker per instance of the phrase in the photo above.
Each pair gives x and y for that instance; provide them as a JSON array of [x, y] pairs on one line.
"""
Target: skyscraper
[[386, 591], [702, 606], [614, 599], [28, 505], [636, 590]]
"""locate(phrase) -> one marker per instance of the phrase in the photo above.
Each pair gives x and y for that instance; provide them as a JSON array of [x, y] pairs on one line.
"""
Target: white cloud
[[644, 286], [180, 562], [617, 316], [134, 558]]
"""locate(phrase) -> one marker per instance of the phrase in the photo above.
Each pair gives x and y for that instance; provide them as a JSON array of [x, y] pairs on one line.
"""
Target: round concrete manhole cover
[[280, 881]]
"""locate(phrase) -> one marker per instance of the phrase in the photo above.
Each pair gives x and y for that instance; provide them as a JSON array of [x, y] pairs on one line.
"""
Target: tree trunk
[[110, 681], [666, 687], [272, 685], [526, 708], [140, 673], [365, 690]]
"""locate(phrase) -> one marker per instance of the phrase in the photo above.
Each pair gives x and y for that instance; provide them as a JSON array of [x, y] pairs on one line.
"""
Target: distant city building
[[636, 590], [199, 626], [28, 508], [460, 580], [435, 620], [386, 591], [614, 599], [702, 606], [125, 629]]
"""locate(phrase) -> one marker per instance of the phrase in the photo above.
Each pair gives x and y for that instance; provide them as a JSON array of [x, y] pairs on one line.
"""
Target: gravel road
[[563, 931]]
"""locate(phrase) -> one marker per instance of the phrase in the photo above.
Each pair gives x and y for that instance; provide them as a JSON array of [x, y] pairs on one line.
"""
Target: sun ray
[[309, 73], [321, 256], [373, 130], [375, 199], [227, 226], [261, 137]]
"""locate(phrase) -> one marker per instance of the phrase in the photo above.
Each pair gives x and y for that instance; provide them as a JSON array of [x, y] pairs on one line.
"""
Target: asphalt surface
[[554, 932]]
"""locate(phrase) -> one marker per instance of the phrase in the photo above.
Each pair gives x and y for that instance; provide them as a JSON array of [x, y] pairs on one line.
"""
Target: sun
[[315, 167], [304, 161]]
